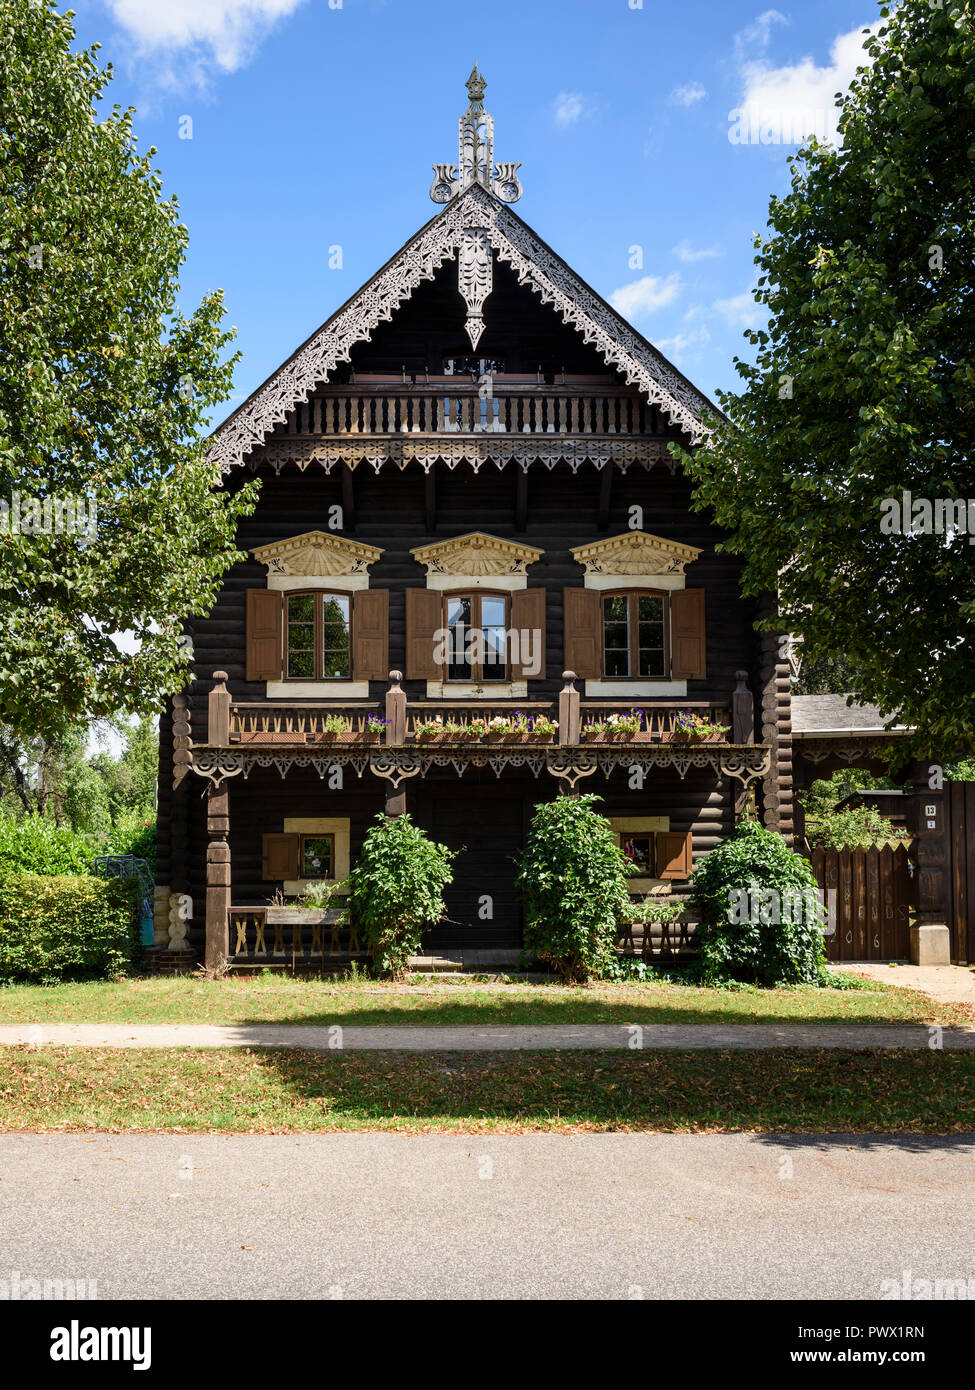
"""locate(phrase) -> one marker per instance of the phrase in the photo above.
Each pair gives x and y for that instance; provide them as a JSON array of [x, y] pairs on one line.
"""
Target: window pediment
[[316, 554], [476, 554], [635, 552]]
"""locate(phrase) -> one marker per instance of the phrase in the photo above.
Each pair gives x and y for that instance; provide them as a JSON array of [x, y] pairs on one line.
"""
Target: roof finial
[[476, 86], [475, 160]]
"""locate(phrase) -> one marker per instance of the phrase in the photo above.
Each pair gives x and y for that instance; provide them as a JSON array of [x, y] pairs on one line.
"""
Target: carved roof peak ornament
[[475, 154]]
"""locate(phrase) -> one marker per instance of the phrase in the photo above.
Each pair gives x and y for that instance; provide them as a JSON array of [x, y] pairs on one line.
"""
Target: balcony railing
[[453, 405], [568, 720]]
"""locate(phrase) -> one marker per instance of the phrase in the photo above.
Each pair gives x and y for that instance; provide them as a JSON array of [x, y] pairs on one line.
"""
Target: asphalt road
[[463, 1216]]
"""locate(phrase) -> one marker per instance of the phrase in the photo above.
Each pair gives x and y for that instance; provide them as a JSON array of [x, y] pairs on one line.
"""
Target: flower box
[[688, 736]]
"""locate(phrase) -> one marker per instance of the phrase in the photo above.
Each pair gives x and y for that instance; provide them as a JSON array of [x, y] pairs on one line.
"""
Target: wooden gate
[[960, 804], [868, 892]]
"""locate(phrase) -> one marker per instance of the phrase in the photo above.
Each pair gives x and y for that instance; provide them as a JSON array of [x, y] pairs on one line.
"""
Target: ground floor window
[[317, 856], [639, 851]]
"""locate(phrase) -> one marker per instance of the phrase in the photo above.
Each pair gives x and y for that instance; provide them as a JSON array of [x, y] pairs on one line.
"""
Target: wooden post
[[396, 734], [742, 711], [931, 942], [218, 712], [218, 876], [568, 709], [395, 709]]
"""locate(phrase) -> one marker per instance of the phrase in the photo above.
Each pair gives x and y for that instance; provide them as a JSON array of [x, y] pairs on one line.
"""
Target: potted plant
[[374, 728], [542, 729], [688, 727], [615, 728], [498, 729], [336, 726]]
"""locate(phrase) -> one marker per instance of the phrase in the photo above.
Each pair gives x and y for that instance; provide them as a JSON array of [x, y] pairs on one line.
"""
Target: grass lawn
[[264, 1091], [272, 998]]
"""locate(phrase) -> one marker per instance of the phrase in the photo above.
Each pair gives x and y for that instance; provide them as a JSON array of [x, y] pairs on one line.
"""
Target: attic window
[[473, 366]]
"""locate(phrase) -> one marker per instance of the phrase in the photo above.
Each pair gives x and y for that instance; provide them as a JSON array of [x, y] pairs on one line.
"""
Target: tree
[[573, 885], [825, 675], [396, 889], [863, 388], [104, 388]]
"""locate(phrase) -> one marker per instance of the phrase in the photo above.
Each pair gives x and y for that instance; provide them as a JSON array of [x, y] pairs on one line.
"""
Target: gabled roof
[[816, 716], [473, 216]]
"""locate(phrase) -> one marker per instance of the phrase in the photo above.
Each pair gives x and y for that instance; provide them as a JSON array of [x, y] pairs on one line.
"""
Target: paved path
[[949, 984], [489, 1038], [436, 1217]]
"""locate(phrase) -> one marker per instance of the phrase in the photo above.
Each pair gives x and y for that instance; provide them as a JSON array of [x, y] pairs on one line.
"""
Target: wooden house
[[470, 529]]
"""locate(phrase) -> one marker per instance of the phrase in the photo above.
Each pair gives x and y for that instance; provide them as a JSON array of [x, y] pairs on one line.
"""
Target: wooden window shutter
[[424, 619], [370, 635], [687, 635], [279, 857], [528, 616], [263, 635], [673, 854], [583, 640]]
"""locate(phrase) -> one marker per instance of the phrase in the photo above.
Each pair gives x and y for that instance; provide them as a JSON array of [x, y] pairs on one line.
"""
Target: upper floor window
[[635, 644], [473, 366], [318, 637], [477, 627]]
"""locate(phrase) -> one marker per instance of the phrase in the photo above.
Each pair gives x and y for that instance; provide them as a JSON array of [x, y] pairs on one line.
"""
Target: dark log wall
[[482, 816], [562, 510]]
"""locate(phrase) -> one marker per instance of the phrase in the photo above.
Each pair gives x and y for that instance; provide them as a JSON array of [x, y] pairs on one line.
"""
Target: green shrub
[[64, 928], [396, 889], [855, 827], [573, 885], [760, 919], [134, 832], [35, 845]]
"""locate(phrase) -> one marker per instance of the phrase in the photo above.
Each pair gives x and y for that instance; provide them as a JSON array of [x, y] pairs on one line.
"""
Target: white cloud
[[223, 33], [740, 311], [784, 105], [758, 34], [682, 344], [688, 94], [684, 251], [646, 295], [569, 107]]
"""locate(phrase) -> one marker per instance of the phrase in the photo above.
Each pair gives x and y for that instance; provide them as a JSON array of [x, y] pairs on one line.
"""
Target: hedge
[[65, 928]]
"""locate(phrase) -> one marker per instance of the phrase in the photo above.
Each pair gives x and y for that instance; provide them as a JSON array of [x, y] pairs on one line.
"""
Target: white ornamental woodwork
[[635, 553], [475, 154], [474, 226]]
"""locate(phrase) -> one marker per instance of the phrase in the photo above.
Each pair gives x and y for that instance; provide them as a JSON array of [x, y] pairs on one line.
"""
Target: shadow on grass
[[775, 1090], [690, 1005]]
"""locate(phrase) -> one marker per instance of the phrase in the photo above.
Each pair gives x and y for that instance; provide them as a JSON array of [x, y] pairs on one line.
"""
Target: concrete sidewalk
[[490, 1038], [948, 984]]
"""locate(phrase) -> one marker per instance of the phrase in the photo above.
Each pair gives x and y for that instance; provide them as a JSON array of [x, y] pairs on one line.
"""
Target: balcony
[[400, 738], [454, 419], [512, 404]]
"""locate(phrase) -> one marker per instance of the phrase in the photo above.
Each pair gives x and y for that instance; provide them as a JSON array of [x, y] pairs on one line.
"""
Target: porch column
[[395, 734], [928, 821], [218, 876], [569, 710]]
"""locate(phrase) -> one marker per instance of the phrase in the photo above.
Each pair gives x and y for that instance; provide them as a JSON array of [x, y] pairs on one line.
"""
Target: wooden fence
[[868, 897]]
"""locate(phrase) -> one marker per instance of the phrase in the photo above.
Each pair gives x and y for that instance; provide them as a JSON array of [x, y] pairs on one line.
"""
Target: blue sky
[[314, 124]]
